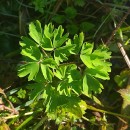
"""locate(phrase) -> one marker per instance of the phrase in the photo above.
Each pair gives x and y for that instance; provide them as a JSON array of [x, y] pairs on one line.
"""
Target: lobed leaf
[[36, 89], [30, 49], [59, 106], [48, 30], [47, 72], [35, 31], [95, 61], [90, 84], [31, 69], [70, 79], [78, 41], [71, 12], [58, 38], [61, 54], [46, 44]]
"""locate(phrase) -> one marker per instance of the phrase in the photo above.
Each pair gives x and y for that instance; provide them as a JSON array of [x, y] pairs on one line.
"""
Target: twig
[[14, 116], [3, 107], [118, 26], [56, 8], [117, 6], [21, 4], [102, 24], [9, 34], [86, 119], [124, 54]]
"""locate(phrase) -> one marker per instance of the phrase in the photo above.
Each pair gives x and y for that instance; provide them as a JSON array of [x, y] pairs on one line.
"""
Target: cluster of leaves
[[41, 5], [58, 81], [55, 64], [70, 13]]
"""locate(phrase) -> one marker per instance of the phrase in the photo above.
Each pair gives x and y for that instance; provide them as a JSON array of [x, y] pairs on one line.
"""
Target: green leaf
[[28, 103], [76, 86], [61, 54], [30, 49], [72, 28], [12, 91], [87, 48], [64, 70], [59, 106], [35, 31], [86, 26], [63, 88], [21, 93], [39, 78], [39, 5], [46, 66], [70, 79], [90, 84], [36, 90], [30, 68], [49, 62], [14, 99], [78, 41], [74, 73], [47, 73], [97, 101], [71, 12], [95, 61], [61, 72], [27, 42], [122, 79], [102, 53], [60, 19], [75, 81], [48, 30], [99, 72], [85, 55], [57, 81], [46, 43], [79, 2], [85, 86], [58, 38], [73, 107], [125, 93]]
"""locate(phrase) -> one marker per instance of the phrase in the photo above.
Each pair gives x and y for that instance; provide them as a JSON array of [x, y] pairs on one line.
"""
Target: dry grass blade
[[117, 27], [124, 54]]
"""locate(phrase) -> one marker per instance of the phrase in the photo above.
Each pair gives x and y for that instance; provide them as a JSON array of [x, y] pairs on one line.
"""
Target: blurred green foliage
[[97, 19]]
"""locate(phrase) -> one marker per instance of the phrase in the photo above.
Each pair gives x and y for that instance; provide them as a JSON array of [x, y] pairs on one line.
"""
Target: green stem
[[110, 113], [25, 122], [13, 35], [117, 6], [86, 119], [40, 123]]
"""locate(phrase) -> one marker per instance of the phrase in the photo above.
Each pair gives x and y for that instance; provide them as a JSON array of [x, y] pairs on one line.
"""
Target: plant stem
[[25, 122], [40, 123], [14, 116], [86, 119], [117, 27], [124, 54], [110, 113]]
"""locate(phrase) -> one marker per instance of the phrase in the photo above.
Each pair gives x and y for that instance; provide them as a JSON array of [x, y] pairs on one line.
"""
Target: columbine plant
[[62, 69]]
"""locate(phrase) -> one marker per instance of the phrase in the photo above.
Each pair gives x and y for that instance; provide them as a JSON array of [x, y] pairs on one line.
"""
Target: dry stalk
[[117, 27]]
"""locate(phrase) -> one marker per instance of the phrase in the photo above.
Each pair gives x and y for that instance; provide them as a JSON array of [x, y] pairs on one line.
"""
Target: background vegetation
[[104, 23]]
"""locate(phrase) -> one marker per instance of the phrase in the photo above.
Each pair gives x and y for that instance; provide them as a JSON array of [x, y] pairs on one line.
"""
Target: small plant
[[41, 5], [62, 69]]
